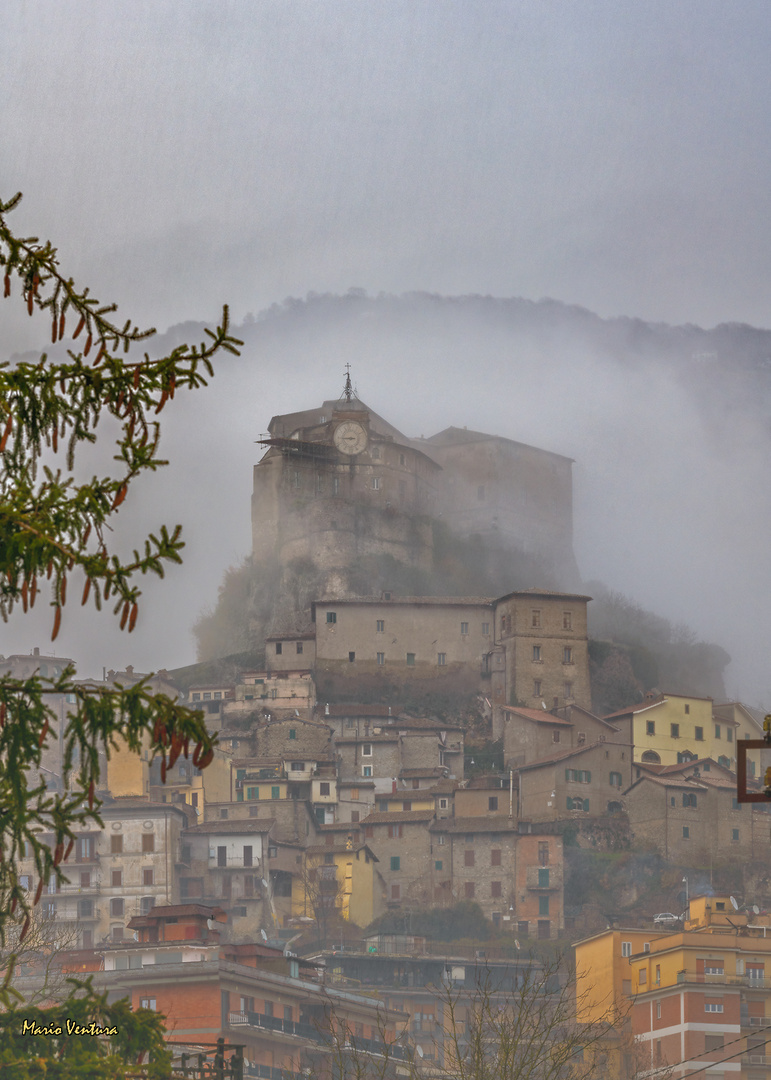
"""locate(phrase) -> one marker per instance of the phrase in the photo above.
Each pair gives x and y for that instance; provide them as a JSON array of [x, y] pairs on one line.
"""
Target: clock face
[[350, 437]]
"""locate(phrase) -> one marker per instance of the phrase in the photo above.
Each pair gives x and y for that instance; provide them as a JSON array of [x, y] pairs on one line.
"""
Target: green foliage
[[63, 1053], [462, 920], [54, 525]]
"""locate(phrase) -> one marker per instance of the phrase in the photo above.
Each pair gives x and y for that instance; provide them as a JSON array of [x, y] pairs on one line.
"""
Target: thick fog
[[609, 155]]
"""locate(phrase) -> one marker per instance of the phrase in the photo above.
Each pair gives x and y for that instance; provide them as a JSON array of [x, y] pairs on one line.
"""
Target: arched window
[[652, 757]]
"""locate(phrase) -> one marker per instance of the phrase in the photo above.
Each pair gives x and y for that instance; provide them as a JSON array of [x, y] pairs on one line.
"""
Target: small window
[[496, 889], [687, 709], [674, 731], [485, 629], [441, 659], [366, 750], [536, 653], [535, 619], [717, 731], [116, 844], [699, 734], [543, 878], [441, 840], [543, 852], [148, 842], [729, 734], [469, 890], [275, 793], [366, 771], [442, 804], [689, 799], [196, 697], [555, 735], [438, 864], [650, 727], [297, 766], [376, 483], [686, 832], [292, 733], [567, 620], [116, 879], [468, 857], [116, 907], [543, 904], [396, 892], [537, 688], [401, 459], [380, 626], [331, 616], [567, 655], [410, 659], [735, 835], [279, 648], [492, 802], [616, 779], [495, 857], [351, 657], [224, 812], [395, 862], [148, 876], [626, 948], [147, 1003], [324, 788], [568, 694], [299, 648], [381, 659], [713, 1006], [464, 628]]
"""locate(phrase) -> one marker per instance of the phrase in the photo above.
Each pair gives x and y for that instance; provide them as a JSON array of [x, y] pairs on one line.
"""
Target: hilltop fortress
[[338, 483]]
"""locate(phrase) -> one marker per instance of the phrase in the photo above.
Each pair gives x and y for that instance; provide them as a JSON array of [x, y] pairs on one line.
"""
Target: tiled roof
[[563, 755], [431, 601], [539, 716], [641, 706], [415, 774], [234, 825], [544, 592], [489, 823], [401, 816], [354, 710]]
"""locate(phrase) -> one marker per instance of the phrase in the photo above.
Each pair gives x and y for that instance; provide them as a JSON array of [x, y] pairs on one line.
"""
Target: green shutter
[[570, 803], [588, 776], [395, 862], [586, 806], [567, 774], [275, 793]]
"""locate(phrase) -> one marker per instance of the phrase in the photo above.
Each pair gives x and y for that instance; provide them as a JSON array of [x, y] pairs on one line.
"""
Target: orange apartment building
[[273, 1004], [697, 1001]]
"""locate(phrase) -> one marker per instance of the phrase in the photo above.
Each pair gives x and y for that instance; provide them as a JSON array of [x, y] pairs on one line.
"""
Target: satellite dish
[[734, 904], [263, 935], [756, 909], [420, 1051]]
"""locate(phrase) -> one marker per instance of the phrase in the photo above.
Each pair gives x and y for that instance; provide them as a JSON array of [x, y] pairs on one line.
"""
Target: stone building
[[339, 483], [533, 734], [588, 780]]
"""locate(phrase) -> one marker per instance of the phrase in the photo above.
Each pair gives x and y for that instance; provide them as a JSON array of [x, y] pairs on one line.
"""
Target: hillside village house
[[533, 734], [587, 780]]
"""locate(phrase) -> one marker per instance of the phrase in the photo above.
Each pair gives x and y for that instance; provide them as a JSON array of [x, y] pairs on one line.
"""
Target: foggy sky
[[613, 155]]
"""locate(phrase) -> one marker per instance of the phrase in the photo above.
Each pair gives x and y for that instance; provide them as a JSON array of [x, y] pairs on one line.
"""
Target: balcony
[[701, 979], [310, 1033], [544, 879]]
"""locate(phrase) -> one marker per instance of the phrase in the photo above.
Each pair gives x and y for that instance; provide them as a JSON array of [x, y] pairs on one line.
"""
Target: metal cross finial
[[348, 391]]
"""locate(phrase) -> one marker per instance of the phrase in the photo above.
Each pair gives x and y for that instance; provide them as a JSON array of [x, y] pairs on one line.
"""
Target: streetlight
[[685, 880]]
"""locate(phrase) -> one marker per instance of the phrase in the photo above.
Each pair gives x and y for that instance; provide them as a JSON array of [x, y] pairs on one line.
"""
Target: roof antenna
[[348, 389]]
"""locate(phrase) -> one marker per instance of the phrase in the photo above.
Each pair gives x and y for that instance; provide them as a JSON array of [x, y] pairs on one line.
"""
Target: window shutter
[[586, 805], [570, 803]]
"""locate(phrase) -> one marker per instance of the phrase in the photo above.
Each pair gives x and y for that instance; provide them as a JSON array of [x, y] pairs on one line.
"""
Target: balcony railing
[[309, 1032], [702, 978]]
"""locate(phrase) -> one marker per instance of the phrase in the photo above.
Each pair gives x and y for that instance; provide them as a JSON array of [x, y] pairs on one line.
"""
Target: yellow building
[[337, 880], [695, 999], [671, 728], [129, 773]]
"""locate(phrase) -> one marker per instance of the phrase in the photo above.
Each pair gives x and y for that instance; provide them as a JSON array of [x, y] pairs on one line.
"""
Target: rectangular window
[[324, 787], [366, 771], [734, 835], [543, 852], [717, 731], [116, 844], [279, 648], [537, 688], [395, 832], [441, 659], [275, 793], [492, 802], [642, 976], [543, 905], [729, 734], [381, 658], [699, 734], [464, 628], [686, 832], [674, 731], [351, 657], [147, 1003], [116, 879], [410, 659], [567, 655], [535, 619], [331, 616], [248, 855], [689, 799], [148, 842], [355, 794], [496, 890], [485, 629], [297, 766], [396, 892], [616, 779], [85, 879], [536, 653], [335, 485], [380, 626], [366, 750], [376, 483], [148, 876], [713, 1006], [468, 857], [469, 890], [543, 879], [252, 793], [650, 727], [438, 864], [626, 948], [568, 688], [687, 709], [567, 620], [116, 908], [395, 862]]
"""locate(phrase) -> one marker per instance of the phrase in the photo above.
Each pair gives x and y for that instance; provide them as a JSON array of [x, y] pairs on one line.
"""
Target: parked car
[[666, 917]]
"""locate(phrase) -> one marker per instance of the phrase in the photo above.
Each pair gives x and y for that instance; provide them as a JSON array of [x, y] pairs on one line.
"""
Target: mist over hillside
[[669, 426]]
